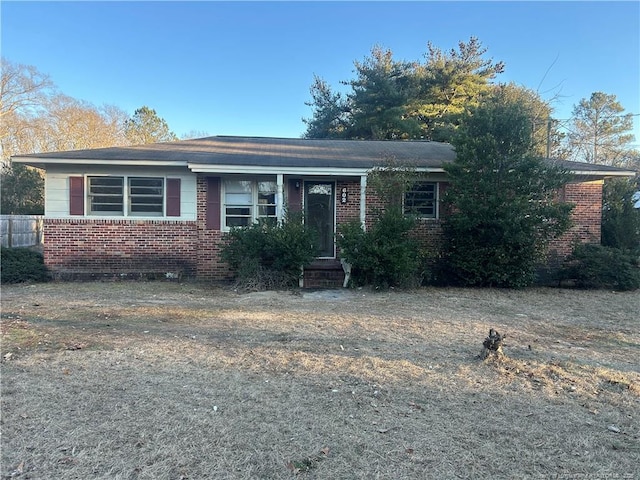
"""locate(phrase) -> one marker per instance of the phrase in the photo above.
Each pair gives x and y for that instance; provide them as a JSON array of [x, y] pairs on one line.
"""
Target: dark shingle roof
[[275, 152], [284, 153]]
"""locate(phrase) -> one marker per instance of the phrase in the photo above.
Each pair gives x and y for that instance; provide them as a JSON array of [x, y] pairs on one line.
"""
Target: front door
[[319, 214]]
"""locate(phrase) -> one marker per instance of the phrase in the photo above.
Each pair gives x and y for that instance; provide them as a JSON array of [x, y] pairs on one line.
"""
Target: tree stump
[[492, 345]]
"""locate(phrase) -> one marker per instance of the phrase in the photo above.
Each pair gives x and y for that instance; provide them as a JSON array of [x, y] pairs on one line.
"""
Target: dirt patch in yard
[[159, 380]]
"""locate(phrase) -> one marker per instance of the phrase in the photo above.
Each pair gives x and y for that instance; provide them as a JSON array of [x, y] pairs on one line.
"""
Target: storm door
[[319, 214]]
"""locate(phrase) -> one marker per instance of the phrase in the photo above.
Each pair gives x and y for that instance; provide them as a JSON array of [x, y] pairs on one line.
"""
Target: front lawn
[[159, 380]]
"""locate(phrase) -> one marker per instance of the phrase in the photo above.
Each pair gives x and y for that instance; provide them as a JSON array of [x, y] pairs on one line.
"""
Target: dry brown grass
[[188, 381]]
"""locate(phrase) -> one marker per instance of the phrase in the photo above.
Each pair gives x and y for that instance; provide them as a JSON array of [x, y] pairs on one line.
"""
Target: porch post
[[279, 197], [363, 201]]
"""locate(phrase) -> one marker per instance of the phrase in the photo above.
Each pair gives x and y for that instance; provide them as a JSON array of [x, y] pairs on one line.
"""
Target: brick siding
[[586, 215], [121, 247], [99, 247]]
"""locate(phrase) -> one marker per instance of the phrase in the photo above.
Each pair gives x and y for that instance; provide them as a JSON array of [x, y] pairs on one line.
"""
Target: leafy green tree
[[145, 126], [600, 132], [501, 208], [22, 190], [545, 134], [620, 220]]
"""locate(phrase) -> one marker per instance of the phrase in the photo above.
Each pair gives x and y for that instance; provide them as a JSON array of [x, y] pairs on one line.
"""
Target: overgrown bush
[[267, 255], [384, 256], [22, 265], [501, 203], [620, 220], [599, 267]]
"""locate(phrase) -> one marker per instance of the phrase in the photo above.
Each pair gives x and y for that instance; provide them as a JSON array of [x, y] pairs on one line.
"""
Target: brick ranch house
[[164, 208]]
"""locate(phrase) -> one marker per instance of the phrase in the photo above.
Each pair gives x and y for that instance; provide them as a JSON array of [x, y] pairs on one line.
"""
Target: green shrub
[[620, 220], [267, 255], [599, 267], [22, 265], [384, 256], [501, 204]]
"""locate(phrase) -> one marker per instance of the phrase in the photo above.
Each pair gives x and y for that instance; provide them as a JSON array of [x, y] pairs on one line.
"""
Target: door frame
[[333, 184]]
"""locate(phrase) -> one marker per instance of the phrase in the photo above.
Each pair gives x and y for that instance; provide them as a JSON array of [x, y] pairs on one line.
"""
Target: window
[[245, 201], [106, 195], [130, 196], [422, 199], [146, 196]]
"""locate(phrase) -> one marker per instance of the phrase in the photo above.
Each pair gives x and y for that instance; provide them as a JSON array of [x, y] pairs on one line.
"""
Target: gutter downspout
[[363, 201]]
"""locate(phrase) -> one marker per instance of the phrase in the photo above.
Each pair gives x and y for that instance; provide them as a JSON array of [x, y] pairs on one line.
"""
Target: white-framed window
[[105, 195], [247, 200], [421, 199], [125, 196], [146, 196]]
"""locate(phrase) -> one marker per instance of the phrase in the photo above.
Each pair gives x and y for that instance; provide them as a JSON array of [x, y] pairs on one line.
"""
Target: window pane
[[267, 199], [237, 222], [146, 196], [238, 203], [238, 199], [267, 210], [238, 186], [235, 210], [267, 188], [106, 195], [421, 199]]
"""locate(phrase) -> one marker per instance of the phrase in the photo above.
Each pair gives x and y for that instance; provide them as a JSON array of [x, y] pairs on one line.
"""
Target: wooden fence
[[21, 230]]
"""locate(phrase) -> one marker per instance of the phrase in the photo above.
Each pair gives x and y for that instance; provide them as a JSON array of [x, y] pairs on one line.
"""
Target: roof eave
[[604, 173], [41, 162], [287, 170]]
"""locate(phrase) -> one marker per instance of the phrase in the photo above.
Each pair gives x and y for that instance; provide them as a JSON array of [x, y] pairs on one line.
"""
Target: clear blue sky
[[244, 68]]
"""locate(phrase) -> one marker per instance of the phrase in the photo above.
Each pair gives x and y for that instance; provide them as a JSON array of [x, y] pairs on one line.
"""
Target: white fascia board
[[430, 170], [111, 163], [257, 170], [598, 173], [307, 171]]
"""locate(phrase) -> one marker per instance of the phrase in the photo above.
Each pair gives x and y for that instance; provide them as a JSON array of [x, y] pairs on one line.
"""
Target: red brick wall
[[100, 246], [209, 266], [346, 212], [587, 217]]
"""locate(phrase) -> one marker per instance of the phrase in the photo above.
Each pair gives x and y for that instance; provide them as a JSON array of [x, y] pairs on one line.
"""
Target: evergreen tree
[[501, 206], [147, 127], [391, 99], [545, 136], [380, 95], [22, 190], [620, 220], [600, 132], [329, 112], [450, 83]]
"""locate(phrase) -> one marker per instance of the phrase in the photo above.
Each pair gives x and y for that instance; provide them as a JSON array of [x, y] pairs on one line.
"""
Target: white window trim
[[255, 207]]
